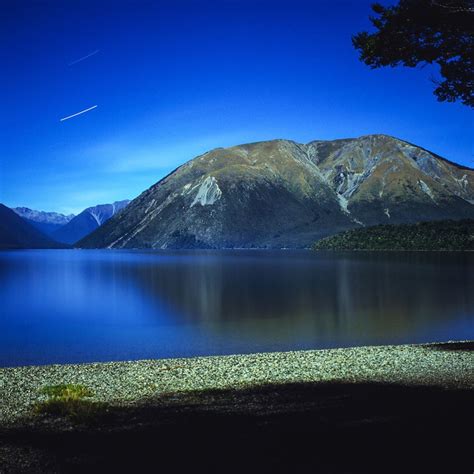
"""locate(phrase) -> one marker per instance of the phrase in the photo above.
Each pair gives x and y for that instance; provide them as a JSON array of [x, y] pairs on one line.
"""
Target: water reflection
[[349, 295], [61, 306]]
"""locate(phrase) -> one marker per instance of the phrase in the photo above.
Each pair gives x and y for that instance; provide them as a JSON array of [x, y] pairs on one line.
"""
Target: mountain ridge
[[17, 233], [87, 221], [281, 193], [45, 221]]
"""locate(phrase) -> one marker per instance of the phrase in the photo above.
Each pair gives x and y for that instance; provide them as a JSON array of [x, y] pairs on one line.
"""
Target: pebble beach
[[447, 365]]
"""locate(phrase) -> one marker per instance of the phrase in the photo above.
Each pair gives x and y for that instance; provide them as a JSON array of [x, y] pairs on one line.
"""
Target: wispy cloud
[[78, 113], [127, 156], [110, 170], [84, 57]]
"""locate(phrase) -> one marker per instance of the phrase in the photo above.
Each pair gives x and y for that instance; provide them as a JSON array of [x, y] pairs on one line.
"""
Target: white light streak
[[78, 113], [84, 57]]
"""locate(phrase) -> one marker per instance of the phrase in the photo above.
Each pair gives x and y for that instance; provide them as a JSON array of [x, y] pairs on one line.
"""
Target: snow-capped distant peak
[[43, 216]]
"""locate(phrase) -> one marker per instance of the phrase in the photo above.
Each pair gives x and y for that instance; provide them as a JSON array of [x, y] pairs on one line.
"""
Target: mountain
[[281, 193], [435, 235], [16, 233], [46, 222], [87, 221]]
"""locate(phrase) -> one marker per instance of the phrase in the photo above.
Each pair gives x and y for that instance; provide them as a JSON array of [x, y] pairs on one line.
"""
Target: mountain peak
[[280, 193], [87, 221], [18, 233], [46, 222], [43, 216]]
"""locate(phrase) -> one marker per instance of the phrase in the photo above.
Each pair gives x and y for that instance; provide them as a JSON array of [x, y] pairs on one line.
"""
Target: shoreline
[[226, 249], [365, 409], [132, 383]]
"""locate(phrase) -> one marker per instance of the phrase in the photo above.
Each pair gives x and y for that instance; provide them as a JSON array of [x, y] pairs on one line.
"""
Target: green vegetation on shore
[[70, 401], [436, 235]]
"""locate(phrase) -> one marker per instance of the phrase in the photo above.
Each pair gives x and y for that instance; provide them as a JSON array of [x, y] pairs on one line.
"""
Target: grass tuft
[[67, 391], [69, 401]]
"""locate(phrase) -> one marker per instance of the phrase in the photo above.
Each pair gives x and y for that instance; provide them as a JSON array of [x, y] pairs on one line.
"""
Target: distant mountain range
[[22, 227], [280, 193], [16, 232], [46, 222], [87, 221]]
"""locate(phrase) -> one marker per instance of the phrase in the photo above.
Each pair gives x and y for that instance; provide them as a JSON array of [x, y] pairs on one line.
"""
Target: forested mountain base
[[436, 235]]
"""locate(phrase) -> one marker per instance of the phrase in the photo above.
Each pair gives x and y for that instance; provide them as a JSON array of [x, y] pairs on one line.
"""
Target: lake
[[61, 306]]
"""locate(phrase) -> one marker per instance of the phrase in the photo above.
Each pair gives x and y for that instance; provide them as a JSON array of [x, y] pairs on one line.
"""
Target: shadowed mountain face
[[46, 222], [16, 233], [284, 194], [87, 221]]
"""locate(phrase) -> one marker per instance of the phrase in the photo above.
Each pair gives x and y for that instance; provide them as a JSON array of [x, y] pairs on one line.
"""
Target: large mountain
[[46, 222], [284, 194], [16, 233], [87, 221]]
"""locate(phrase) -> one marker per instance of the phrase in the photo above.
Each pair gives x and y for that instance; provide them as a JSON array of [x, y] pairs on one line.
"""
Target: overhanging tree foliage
[[425, 32]]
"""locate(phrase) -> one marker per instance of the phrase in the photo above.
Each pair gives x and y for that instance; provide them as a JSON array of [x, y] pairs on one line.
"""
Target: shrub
[[69, 401]]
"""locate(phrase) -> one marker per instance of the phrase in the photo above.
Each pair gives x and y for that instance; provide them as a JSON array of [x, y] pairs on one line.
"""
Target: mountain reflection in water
[[74, 306]]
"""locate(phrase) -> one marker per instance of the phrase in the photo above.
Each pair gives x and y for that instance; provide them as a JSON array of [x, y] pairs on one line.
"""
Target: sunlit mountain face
[[283, 194]]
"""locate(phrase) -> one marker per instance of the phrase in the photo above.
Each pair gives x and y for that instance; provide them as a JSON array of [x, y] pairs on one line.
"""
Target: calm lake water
[[78, 305]]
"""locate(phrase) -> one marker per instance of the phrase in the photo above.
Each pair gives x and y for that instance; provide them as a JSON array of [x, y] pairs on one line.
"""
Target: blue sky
[[174, 79]]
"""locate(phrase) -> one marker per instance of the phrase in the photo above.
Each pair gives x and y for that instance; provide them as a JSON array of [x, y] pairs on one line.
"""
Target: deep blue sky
[[174, 79]]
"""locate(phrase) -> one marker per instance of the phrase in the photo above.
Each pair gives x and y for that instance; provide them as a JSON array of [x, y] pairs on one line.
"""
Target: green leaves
[[423, 31]]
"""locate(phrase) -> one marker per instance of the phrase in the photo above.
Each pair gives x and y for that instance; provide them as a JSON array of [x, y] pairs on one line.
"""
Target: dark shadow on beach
[[290, 428], [453, 346]]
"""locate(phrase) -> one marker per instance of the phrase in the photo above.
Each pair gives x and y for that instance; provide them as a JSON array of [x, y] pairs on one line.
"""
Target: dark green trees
[[425, 32]]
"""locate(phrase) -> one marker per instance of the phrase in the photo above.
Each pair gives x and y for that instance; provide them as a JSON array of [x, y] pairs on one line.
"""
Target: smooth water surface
[[79, 305]]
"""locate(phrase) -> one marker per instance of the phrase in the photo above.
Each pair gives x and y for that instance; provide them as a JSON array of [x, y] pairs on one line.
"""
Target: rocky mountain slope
[[16, 233], [87, 221], [46, 222], [280, 193]]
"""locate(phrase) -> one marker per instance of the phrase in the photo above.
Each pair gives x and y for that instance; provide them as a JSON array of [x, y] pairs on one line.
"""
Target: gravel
[[131, 383]]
